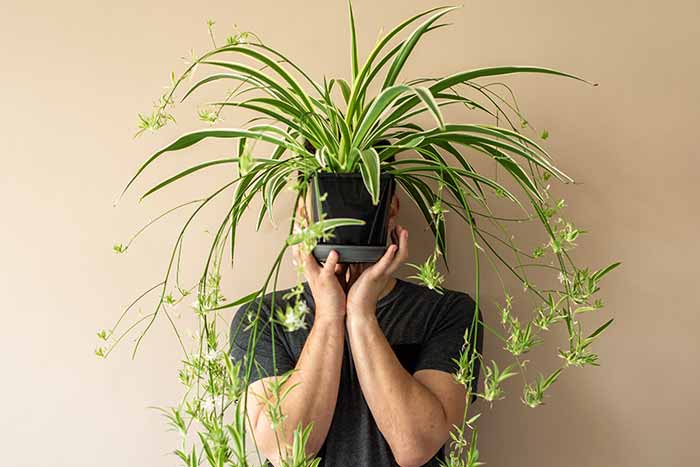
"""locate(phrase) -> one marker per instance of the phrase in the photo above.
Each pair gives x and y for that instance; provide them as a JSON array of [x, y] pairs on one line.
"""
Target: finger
[[331, 262], [355, 271], [342, 278], [311, 266], [394, 236], [402, 253], [340, 272], [385, 261]]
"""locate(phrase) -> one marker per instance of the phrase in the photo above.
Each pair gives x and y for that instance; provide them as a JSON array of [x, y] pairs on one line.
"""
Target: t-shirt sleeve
[[271, 356], [444, 342]]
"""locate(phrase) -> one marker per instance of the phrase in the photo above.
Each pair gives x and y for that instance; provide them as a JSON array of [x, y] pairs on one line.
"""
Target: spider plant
[[371, 123]]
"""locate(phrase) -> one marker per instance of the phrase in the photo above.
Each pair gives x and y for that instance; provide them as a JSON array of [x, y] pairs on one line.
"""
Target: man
[[372, 373]]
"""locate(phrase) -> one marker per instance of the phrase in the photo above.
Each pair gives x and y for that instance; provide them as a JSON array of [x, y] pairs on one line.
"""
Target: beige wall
[[73, 76]]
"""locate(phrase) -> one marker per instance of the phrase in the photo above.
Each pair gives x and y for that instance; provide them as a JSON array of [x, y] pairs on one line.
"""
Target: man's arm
[[316, 377], [415, 413]]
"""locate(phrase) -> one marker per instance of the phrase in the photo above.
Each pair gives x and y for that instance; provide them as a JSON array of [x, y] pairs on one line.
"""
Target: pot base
[[350, 253]]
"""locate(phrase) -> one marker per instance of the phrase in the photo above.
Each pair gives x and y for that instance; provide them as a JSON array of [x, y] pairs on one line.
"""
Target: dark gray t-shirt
[[426, 331]]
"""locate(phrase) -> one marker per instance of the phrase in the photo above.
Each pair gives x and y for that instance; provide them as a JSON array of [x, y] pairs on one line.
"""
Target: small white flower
[[562, 277], [208, 404], [302, 307], [212, 355], [293, 318], [212, 403], [292, 323]]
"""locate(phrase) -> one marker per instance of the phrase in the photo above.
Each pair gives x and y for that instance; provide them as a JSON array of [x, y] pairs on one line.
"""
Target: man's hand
[[368, 282], [326, 283]]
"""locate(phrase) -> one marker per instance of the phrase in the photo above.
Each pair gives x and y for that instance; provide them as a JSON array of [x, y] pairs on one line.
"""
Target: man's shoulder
[[445, 296], [278, 296], [262, 305]]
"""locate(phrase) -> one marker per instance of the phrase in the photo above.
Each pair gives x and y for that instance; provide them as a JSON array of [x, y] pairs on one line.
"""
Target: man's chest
[[405, 328]]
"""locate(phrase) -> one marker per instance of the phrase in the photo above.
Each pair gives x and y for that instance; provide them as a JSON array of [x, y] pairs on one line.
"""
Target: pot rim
[[347, 174]]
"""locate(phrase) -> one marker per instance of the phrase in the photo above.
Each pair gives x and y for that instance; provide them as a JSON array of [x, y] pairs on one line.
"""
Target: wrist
[[329, 319], [360, 317], [360, 307]]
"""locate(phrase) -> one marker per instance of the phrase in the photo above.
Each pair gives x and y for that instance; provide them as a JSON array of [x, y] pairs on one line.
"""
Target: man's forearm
[[313, 399], [409, 416]]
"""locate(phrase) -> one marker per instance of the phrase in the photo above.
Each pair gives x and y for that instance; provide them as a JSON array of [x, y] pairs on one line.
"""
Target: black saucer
[[350, 253]]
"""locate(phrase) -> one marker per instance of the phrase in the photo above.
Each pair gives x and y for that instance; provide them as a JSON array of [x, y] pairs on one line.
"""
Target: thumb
[[331, 262]]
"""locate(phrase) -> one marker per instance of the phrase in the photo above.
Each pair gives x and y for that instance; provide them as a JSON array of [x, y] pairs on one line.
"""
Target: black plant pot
[[347, 196]]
